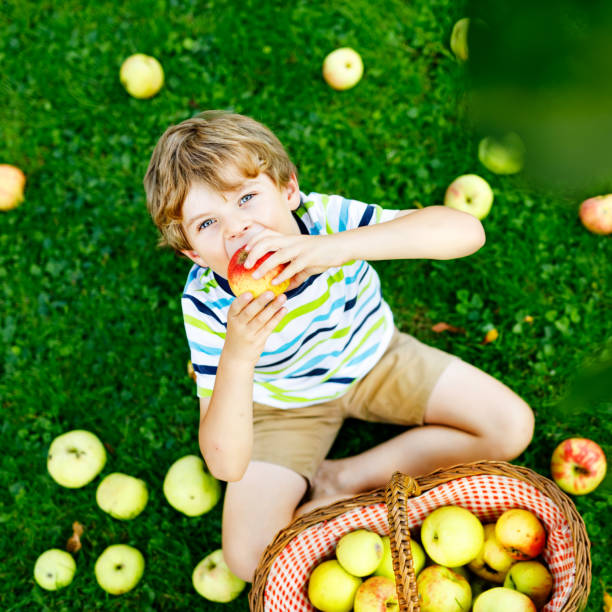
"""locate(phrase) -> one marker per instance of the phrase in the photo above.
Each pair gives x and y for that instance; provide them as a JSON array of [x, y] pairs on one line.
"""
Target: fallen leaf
[[528, 319], [442, 326], [74, 541], [607, 607], [490, 336]]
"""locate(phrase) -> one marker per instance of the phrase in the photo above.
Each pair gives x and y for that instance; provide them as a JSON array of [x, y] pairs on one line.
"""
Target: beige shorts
[[395, 391]]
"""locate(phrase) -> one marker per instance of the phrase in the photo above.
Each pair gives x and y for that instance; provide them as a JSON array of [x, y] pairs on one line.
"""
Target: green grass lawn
[[90, 321]]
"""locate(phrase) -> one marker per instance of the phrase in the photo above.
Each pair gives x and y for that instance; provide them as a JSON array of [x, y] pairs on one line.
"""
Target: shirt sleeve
[[343, 214]]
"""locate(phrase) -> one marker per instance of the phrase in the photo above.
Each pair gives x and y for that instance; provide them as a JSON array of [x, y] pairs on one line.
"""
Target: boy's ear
[[194, 257], [293, 192]]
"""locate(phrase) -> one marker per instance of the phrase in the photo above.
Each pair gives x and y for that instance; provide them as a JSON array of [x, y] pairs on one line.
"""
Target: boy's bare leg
[[470, 416], [254, 510]]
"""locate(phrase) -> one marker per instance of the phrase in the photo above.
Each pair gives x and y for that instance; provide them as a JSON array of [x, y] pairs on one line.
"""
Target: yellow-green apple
[[531, 578], [241, 279], [122, 496], [54, 569], [331, 588], [578, 465], [376, 594], [492, 562], [75, 458], [503, 155], [189, 487], [520, 533], [342, 68], [12, 183], [501, 599], [359, 552], [141, 75], [214, 580], [596, 214], [119, 568], [452, 535], [470, 193], [459, 39], [386, 564], [441, 589]]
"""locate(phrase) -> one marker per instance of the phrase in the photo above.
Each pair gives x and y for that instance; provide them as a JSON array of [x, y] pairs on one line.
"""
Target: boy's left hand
[[304, 255]]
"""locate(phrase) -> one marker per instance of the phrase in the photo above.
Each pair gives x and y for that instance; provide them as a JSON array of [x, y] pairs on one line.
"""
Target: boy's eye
[[205, 224], [249, 196]]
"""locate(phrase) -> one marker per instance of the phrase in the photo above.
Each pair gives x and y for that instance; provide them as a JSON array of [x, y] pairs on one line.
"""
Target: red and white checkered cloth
[[487, 496]]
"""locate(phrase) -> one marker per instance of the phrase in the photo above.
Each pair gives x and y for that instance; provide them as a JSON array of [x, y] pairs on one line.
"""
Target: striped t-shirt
[[336, 328]]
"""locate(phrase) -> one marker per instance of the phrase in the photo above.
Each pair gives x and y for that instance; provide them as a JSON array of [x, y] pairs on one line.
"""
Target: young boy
[[276, 376]]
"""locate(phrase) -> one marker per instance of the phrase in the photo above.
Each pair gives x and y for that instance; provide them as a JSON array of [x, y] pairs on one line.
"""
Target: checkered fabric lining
[[487, 496]]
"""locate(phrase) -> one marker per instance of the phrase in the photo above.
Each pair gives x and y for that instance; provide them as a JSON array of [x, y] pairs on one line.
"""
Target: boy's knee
[[514, 432], [242, 557]]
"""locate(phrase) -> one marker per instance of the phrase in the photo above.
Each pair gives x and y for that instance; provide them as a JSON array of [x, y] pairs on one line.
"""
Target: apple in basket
[[360, 552], [386, 565], [376, 594], [520, 533], [501, 599], [492, 562], [331, 588], [441, 589], [531, 578], [578, 465], [452, 536]]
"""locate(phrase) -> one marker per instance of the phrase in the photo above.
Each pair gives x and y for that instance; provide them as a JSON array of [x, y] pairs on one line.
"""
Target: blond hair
[[205, 149]]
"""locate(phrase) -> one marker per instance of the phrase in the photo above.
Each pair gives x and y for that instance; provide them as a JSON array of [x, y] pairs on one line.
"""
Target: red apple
[[241, 279], [441, 589], [596, 214], [376, 594], [12, 182], [578, 465], [520, 533]]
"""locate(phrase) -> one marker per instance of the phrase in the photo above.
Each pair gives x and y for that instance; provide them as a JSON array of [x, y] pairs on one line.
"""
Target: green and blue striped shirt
[[337, 325]]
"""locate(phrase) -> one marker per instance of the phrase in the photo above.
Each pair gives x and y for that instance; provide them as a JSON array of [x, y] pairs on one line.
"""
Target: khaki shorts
[[396, 391]]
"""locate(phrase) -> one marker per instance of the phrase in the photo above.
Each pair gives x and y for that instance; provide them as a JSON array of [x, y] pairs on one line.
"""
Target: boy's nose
[[239, 235]]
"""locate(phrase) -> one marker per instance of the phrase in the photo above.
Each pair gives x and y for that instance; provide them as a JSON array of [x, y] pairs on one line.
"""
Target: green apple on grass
[[359, 552], [141, 75], [470, 193], [12, 184], [459, 39], [441, 589], [122, 496], [119, 568], [189, 488], [75, 458], [452, 536], [214, 580], [331, 588], [386, 564], [342, 68], [54, 569], [502, 155]]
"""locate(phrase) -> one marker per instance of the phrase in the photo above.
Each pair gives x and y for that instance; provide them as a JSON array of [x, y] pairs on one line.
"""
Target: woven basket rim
[[394, 494]]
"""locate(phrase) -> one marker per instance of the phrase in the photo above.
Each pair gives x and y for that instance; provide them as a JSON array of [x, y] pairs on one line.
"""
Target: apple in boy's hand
[[343, 68], [452, 535], [441, 589], [54, 569], [359, 552], [241, 279], [376, 594], [75, 458], [596, 214], [503, 155], [12, 183], [492, 562], [470, 193], [214, 580], [578, 465], [122, 496], [331, 588], [119, 568], [531, 578], [141, 75], [189, 488], [458, 39], [501, 599], [386, 564], [520, 533]]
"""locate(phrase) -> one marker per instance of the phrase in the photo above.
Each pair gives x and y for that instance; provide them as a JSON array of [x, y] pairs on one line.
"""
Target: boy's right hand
[[249, 324]]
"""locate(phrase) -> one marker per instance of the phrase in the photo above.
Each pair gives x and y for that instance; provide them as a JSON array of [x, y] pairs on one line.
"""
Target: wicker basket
[[487, 488]]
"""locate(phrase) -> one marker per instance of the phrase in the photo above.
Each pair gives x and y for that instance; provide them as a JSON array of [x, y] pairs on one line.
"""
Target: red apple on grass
[[578, 465], [376, 594], [596, 214], [12, 183], [520, 533], [241, 279]]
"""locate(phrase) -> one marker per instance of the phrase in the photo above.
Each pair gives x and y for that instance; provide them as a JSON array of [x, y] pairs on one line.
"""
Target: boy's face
[[217, 224]]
